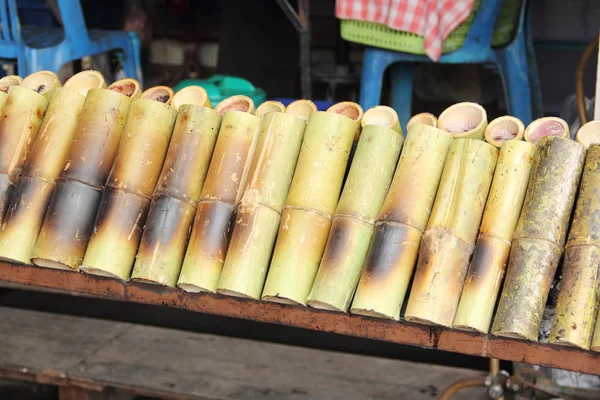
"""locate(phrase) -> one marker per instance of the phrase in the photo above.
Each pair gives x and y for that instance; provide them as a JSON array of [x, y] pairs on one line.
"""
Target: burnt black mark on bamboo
[[6, 190], [214, 221], [28, 191], [164, 222], [338, 242], [389, 245], [126, 209]]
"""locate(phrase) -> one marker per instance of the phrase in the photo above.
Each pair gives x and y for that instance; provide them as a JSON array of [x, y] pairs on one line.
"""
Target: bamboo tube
[[503, 129], [351, 110], [161, 94], [596, 337], [548, 126], [259, 214], [219, 194], [310, 203], [144, 143], [577, 304], [539, 237], [42, 82], [68, 223], [195, 95], [301, 109], [422, 118], [269, 106], [450, 236], [5, 84], [464, 121], [589, 134], [393, 250], [34, 189], [500, 217], [352, 226]]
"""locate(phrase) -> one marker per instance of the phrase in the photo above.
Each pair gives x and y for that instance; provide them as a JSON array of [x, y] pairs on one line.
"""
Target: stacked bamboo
[[126, 196], [163, 245], [36, 182], [422, 118], [464, 121], [546, 127], [259, 213], [352, 225], [539, 237], [504, 129], [311, 202], [589, 134], [70, 217], [5, 84]]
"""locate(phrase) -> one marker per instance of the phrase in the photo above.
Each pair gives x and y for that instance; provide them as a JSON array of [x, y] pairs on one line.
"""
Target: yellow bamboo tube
[[269, 106], [160, 260], [310, 203], [5, 84], [34, 189], [539, 237], [301, 109], [422, 118], [255, 228], [543, 127], [42, 82], [393, 249], [195, 95], [589, 134], [577, 304], [464, 121], [500, 217], [161, 94], [352, 226], [128, 87], [351, 110], [503, 129], [450, 236], [596, 337], [70, 217]]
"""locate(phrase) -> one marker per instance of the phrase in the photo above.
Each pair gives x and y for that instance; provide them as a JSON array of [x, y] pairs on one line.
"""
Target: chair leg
[[402, 77], [132, 58], [374, 65]]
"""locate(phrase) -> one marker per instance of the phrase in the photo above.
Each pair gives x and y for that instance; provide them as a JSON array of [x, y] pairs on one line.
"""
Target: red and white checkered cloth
[[432, 19]]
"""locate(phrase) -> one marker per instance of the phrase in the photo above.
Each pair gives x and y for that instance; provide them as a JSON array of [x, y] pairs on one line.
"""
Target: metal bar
[[471, 343]]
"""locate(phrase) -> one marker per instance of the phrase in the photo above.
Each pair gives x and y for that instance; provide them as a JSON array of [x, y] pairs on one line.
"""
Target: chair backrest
[[10, 30], [73, 22]]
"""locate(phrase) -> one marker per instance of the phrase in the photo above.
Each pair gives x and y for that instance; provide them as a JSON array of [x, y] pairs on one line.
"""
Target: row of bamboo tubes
[[268, 203]]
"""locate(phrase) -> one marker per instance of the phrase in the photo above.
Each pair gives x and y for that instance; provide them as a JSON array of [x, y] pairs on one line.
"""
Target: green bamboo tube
[[255, 229], [422, 118], [195, 95], [219, 194], [596, 337], [127, 87], [539, 237], [161, 94], [449, 238], [5, 84], [589, 134], [350, 110], [301, 109], [352, 226], [34, 189], [42, 82], [503, 129], [393, 250], [500, 217], [577, 304], [543, 127], [464, 121], [269, 106], [311, 202]]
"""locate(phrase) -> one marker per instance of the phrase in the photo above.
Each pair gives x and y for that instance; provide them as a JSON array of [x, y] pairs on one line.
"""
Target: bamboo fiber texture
[[539, 237]]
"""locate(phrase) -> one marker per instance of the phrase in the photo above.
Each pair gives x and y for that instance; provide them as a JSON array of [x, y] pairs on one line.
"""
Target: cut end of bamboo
[[423, 119], [502, 129], [321, 305], [301, 109], [544, 127], [236, 103], [348, 109], [371, 313], [235, 293], [464, 121], [148, 282], [162, 94], [41, 82], [194, 95], [84, 81], [587, 135], [191, 288], [99, 272], [8, 81], [43, 262], [280, 300], [269, 106], [128, 87], [383, 116]]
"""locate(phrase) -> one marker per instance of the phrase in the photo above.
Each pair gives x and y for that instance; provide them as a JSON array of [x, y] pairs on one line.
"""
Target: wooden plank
[[391, 331], [87, 356]]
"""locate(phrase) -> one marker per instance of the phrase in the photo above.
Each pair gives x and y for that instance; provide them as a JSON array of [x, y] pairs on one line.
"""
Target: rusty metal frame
[[456, 341]]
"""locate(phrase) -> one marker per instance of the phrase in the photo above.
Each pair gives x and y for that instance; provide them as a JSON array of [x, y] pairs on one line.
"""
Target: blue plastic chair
[[43, 48], [515, 62]]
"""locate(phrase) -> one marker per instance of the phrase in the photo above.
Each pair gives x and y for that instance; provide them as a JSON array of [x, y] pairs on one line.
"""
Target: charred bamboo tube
[[35, 186], [422, 118], [543, 127], [503, 129], [301, 109], [5, 84], [577, 304], [589, 134], [195, 95], [352, 225], [42, 82], [393, 249], [160, 259], [269, 106], [144, 143], [259, 213], [161, 94], [464, 121], [450, 236], [68, 223], [383, 116], [539, 237], [500, 217], [310, 203]]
